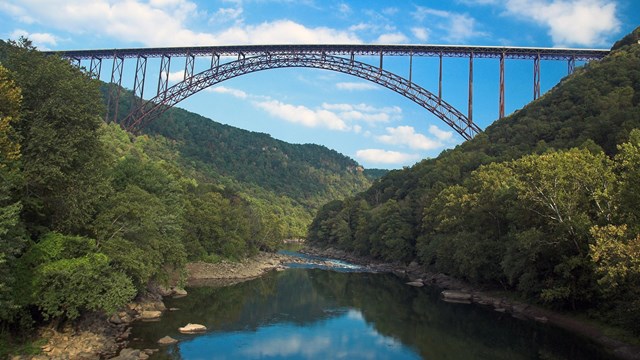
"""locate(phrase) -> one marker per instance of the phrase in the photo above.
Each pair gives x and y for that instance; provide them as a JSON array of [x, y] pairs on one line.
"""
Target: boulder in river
[[150, 315], [179, 292], [167, 340], [192, 329], [456, 296], [416, 283]]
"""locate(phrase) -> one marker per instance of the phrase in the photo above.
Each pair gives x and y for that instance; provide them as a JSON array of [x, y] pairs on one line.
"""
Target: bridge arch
[[152, 109]]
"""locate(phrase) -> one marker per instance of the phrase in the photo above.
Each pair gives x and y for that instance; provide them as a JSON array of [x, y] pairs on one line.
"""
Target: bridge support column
[[189, 64], [440, 81], [380, 67], [410, 68], [571, 65], [536, 77], [95, 67], [116, 80], [501, 104], [163, 77], [215, 61], [470, 113], [138, 82]]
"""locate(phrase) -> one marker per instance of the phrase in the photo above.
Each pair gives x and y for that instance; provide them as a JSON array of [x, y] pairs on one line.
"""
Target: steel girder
[[529, 53], [153, 108]]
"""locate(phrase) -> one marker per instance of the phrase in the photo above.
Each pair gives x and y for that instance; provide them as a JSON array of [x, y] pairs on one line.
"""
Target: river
[[310, 313]]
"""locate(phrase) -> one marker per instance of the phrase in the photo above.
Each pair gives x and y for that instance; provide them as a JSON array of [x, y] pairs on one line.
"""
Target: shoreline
[[417, 275], [98, 337]]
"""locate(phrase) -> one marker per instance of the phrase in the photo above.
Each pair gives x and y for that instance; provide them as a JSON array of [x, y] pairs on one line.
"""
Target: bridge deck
[[353, 49]]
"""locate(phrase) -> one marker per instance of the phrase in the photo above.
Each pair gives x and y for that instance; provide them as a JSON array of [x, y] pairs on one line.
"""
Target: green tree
[[62, 157], [11, 236]]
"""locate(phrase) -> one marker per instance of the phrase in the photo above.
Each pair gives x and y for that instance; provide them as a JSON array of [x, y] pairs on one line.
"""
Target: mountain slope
[[515, 208]]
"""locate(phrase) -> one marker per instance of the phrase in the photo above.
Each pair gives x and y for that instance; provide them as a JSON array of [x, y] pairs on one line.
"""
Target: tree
[[11, 235], [62, 157], [67, 275]]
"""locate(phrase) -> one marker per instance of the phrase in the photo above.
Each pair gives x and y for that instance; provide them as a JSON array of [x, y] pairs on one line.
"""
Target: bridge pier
[[440, 80], [470, 111], [138, 82], [501, 101], [116, 79], [163, 76], [95, 67], [536, 77]]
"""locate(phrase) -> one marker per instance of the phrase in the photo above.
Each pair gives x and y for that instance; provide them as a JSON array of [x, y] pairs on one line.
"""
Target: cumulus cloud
[[355, 86], [455, 27], [379, 156], [392, 38], [570, 22], [364, 112], [303, 115], [441, 135], [420, 33], [407, 136], [230, 91], [40, 40], [163, 23]]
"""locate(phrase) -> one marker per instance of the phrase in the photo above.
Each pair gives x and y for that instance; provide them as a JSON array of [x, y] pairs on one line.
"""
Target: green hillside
[[544, 202], [90, 214]]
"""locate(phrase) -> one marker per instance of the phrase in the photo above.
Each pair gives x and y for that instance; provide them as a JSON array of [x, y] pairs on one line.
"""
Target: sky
[[367, 122]]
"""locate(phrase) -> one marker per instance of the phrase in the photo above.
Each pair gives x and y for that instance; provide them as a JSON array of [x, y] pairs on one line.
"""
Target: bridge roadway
[[355, 49]]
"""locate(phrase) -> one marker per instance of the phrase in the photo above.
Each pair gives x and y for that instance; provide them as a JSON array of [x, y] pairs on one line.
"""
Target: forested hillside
[[290, 180], [90, 214], [544, 202]]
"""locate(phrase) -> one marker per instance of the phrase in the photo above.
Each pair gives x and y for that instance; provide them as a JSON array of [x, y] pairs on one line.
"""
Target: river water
[[307, 313]]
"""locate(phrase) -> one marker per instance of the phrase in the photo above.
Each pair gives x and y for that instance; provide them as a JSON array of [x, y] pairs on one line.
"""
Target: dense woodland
[[545, 202], [90, 214]]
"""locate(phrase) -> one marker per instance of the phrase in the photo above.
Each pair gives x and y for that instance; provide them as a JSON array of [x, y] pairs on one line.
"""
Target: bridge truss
[[342, 58]]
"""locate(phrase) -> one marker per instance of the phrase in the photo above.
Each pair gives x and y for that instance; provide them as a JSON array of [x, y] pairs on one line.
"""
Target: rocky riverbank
[[95, 336], [455, 290]]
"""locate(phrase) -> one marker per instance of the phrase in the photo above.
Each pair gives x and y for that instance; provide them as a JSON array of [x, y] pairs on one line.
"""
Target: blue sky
[[371, 124]]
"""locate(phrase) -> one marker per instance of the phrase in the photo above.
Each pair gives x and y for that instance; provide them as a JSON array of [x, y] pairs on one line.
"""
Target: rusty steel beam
[[163, 76], [470, 111], [138, 82], [95, 67], [116, 80], [501, 101], [536, 78]]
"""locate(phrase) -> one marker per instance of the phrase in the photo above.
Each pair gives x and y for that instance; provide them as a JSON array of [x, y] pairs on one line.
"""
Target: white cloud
[[390, 11], [379, 156], [163, 23], [354, 86], [363, 112], [344, 9], [176, 76], [230, 91], [440, 134], [420, 33], [299, 114], [456, 27], [284, 32], [40, 40], [570, 22], [392, 38], [407, 136]]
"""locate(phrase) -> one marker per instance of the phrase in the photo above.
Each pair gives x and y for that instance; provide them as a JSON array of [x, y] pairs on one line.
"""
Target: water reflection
[[345, 336], [316, 314]]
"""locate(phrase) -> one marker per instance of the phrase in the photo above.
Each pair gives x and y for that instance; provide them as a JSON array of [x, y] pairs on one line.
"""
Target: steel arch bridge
[[340, 58]]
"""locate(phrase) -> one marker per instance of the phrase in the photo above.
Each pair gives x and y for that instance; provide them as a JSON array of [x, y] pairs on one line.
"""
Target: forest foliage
[[545, 202], [91, 214]]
